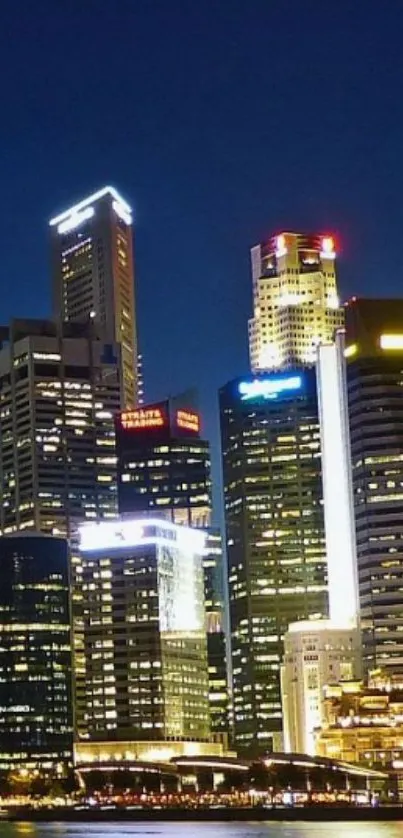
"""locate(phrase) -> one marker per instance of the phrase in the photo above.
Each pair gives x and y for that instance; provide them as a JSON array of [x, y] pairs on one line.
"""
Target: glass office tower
[[36, 704], [144, 631], [275, 536]]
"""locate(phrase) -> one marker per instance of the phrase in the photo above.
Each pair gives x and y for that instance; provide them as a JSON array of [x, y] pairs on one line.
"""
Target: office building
[[374, 350], [59, 391], [164, 469], [163, 464], [275, 536], [295, 301], [36, 705], [319, 652], [316, 653], [93, 274], [144, 631]]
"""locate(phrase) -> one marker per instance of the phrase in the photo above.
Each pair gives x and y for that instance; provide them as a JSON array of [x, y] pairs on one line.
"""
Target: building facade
[[316, 653], [374, 350], [36, 702], [164, 469], [295, 301], [275, 536], [59, 391], [363, 723], [219, 700], [163, 464], [144, 631], [93, 274]]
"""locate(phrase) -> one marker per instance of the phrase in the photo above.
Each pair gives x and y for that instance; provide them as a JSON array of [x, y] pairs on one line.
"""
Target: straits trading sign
[[144, 418], [187, 420], [270, 387]]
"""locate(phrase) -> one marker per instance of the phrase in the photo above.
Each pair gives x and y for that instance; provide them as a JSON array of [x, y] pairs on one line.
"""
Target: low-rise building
[[316, 653], [363, 724]]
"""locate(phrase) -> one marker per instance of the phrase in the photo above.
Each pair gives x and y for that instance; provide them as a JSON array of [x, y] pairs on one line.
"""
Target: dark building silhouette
[[36, 704]]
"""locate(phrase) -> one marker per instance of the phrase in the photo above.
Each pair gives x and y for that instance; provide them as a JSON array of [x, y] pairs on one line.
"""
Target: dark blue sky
[[221, 121]]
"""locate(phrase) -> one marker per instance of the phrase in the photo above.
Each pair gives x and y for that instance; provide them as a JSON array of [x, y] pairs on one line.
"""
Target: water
[[203, 830]]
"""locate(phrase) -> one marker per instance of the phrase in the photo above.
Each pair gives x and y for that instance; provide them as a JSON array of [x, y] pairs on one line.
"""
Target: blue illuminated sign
[[268, 388]]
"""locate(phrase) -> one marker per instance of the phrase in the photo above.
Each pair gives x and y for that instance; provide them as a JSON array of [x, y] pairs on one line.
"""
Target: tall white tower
[[337, 483]]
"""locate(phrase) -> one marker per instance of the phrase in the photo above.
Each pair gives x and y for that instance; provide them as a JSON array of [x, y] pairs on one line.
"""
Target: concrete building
[[275, 536], [144, 631], [93, 274], [59, 391], [364, 723], [316, 653], [295, 301], [374, 350], [36, 702]]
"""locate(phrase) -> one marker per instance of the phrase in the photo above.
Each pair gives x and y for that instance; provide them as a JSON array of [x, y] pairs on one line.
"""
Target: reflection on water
[[203, 830]]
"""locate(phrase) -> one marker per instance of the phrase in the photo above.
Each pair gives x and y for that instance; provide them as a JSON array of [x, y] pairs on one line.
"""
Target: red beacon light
[[281, 247], [327, 247]]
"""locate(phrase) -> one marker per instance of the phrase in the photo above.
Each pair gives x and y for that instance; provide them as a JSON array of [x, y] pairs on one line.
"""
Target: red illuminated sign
[[143, 418], [188, 421]]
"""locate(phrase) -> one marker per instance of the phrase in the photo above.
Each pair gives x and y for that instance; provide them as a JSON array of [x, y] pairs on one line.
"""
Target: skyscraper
[[164, 469], [93, 274], [36, 703], [163, 464], [374, 350], [321, 652], [59, 391], [275, 536], [295, 302], [144, 631]]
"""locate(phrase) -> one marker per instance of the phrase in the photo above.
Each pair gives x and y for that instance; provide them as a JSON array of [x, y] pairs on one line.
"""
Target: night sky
[[221, 122]]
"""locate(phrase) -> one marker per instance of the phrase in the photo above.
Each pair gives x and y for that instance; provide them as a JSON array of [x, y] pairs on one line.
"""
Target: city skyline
[[203, 191]]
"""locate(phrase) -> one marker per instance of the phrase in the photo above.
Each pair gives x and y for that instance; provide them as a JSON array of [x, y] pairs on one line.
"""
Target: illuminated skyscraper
[[374, 351], [36, 704], [164, 469], [321, 652], [93, 274], [275, 536], [144, 631], [163, 464], [295, 302], [59, 392]]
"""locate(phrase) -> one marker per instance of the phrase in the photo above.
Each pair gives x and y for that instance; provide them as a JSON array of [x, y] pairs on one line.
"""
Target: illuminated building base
[[145, 751]]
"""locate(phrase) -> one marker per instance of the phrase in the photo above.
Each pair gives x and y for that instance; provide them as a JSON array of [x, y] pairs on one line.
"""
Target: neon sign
[[268, 388], [188, 421], [143, 418]]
